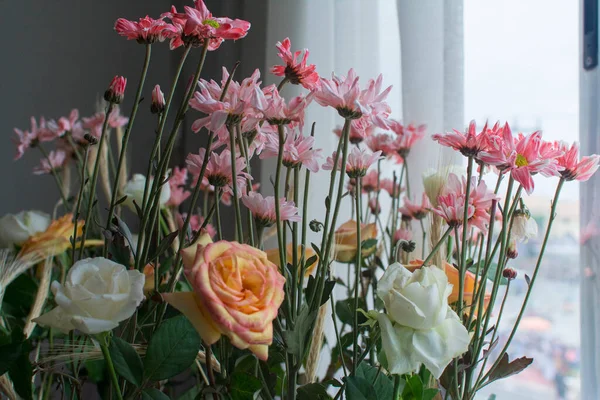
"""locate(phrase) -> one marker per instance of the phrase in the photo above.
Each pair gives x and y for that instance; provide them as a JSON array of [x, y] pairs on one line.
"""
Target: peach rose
[[454, 279], [237, 293], [345, 240], [273, 256]]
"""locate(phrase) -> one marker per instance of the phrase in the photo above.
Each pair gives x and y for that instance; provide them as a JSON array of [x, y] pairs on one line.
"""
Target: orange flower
[[454, 279], [56, 239], [273, 256], [345, 240], [149, 282], [237, 293]]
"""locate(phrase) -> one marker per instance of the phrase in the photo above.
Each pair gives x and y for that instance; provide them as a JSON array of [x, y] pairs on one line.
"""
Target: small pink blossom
[[196, 222], [381, 142], [359, 161], [158, 100], [263, 209], [402, 234], [95, 122], [410, 210], [392, 188], [295, 69], [297, 150], [177, 185], [360, 129], [218, 170], [573, 168], [406, 137], [523, 157], [274, 108], [374, 206], [370, 181], [469, 143], [55, 160], [25, 139], [116, 90], [146, 30]]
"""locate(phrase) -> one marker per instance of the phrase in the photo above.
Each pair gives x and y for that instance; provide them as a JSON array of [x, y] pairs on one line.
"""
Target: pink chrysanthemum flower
[[146, 30], [344, 94], [297, 150], [452, 203], [25, 139], [402, 234], [274, 108], [66, 124], [263, 209], [410, 210], [295, 69], [359, 161], [469, 143], [360, 129], [381, 142], [55, 160], [406, 137], [393, 189], [523, 157], [229, 111], [95, 122], [177, 184], [197, 24], [575, 169], [370, 181], [374, 206], [218, 170]]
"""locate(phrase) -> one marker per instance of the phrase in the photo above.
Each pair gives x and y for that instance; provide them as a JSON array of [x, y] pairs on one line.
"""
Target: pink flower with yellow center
[[574, 168], [237, 293]]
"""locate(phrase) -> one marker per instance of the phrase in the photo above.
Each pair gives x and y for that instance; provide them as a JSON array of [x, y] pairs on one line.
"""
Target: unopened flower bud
[[116, 90], [407, 246], [402, 234], [91, 139], [158, 101], [511, 251], [374, 206], [509, 274], [315, 225]]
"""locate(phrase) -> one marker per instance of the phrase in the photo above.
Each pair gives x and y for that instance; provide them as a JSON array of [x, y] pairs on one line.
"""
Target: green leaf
[[429, 394], [491, 273], [505, 368], [344, 309], [95, 370], [358, 388], [172, 349], [413, 388], [19, 296], [21, 373], [164, 244], [244, 386], [126, 360], [153, 394], [9, 353], [313, 391], [296, 339], [368, 245], [382, 384]]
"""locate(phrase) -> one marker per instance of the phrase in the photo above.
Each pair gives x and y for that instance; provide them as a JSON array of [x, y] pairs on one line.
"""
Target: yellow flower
[[345, 240], [237, 293], [273, 256], [56, 239]]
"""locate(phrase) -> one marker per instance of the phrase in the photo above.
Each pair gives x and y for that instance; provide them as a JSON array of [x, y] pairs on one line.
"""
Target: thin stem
[[236, 201], [439, 244], [358, 264], [125, 141], [111, 368], [397, 385], [56, 177], [281, 244], [94, 180], [83, 183], [209, 370], [462, 268]]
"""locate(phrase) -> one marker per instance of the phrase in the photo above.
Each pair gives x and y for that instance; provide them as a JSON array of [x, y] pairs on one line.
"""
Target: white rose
[[97, 295], [16, 229], [419, 327], [524, 227], [134, 190]]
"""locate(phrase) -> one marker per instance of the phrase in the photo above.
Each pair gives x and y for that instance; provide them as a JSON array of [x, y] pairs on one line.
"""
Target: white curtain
[[373, 36]]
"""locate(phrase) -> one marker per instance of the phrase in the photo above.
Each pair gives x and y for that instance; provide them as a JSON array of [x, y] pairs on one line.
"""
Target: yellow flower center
[[211, 22], [521, 161]]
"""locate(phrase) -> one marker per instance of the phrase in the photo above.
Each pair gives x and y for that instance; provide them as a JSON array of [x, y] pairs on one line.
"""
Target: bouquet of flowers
[[189, 308]]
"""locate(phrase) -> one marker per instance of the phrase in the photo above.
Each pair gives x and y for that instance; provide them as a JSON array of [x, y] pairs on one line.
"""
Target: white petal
[[92, 326], [57, 319], [397, 346]]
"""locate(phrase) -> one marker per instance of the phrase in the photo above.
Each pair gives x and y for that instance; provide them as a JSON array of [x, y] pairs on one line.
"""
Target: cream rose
[[134, 190], [97, 295], [419, 327], [15, 229]]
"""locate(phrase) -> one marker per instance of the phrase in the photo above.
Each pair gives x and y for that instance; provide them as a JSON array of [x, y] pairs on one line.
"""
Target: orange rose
[[273, 256], [454, 279], [345, 240], [237, 293]]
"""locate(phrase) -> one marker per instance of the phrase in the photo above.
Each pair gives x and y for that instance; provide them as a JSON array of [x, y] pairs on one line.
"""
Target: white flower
[[134, 190], [16, 229], [419, 327], [97, 295], [524, 227]]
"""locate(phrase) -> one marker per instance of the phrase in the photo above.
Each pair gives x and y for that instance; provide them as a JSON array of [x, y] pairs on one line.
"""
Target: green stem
[[125, 141], [54, 173], [281, 244], [358, 264], [111, 368], [397, 386], [83, 183], [438, 245], [462, 267], [236, 201]]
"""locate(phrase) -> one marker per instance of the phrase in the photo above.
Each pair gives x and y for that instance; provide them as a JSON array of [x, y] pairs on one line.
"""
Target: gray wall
[[62, 54]]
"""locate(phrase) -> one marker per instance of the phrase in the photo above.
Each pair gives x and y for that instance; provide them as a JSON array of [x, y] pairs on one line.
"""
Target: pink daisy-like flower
[[374, 206], [573, 168], [295, 69], [197, 24], [410, 210], [55, 160], [297, 150], [218, 170], [406, 137], [95, 122], [370, 181], [402, 234], [360, 129], [381, 142], [263, 209], [523, 157], [25, 139], [469, 143], [66, 124], [274, 108], [452, 203], [146, 30], [393, 189], [344, 94], [177, 184], [359, 161]]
